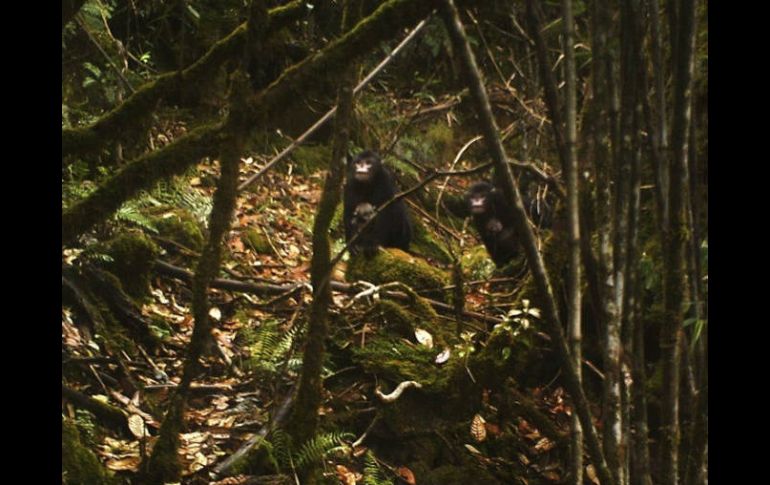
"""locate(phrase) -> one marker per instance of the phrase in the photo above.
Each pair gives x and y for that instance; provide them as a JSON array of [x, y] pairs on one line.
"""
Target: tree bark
[[573, 210], [675, 240]]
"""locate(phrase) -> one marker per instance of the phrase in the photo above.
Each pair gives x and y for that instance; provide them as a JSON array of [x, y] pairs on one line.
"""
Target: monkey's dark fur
[[368, 186]]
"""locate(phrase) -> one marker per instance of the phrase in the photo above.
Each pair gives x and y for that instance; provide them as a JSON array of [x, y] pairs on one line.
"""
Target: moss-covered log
[[392, 264], [116, 123], [79, 464], [173, 159], [141, 174]]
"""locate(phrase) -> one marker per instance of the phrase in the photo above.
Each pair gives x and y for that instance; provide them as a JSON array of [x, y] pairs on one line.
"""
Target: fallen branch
[[388, 398], [111, 416], [172, 271], [278, 418]]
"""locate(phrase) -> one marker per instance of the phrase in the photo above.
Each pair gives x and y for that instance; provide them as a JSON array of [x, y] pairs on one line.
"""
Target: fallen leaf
[[472, 449], [424, 337], [130, 463], [136, 426], [215, 313], [544, 445], [478, 431], [406, 475], [346, 476], [493, 429], [443, 356]]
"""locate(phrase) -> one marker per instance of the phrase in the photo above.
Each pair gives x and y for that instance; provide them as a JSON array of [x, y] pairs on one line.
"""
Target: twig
[[452, 166], [388, 398], [360, 440], [112, 64]]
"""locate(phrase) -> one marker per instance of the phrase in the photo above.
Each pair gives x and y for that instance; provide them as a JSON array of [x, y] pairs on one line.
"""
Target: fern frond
[[373, 474], [282, 448], [318, 447]]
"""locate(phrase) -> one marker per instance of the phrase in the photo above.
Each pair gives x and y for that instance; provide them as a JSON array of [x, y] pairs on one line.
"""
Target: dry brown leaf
[[346, 476], [406, 475], [130, 463], [478, 431], [544, 445], [551, 476], [136, 426]]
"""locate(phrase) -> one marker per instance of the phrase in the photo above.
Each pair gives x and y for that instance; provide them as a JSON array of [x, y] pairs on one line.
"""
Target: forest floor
[[257, 361]]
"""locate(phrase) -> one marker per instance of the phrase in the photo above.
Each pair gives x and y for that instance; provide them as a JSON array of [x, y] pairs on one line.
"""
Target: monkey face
[[362, 170], [478, 198], [477, 203], [364, 167]]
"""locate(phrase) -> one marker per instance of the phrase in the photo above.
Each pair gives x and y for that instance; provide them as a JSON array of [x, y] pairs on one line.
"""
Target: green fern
[[271, 348], [130, 212], [318, 447], [373, 474], [282, 449]]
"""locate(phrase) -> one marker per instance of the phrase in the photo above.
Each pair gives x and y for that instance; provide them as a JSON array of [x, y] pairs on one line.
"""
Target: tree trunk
[[534, 259], [573, 210], [675, 240], [304, 419]]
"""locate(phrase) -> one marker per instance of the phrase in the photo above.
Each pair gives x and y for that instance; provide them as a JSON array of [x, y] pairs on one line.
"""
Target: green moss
[[257, 240], [311, 158], [441, 138], [392, 264], [396, 360], [133, 257], [477, 263], [79, 464], [181, 227], [258, 461], [423, 243]]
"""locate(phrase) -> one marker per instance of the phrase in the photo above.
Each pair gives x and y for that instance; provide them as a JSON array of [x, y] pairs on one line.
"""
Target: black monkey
[[369, 185], [492, 217]]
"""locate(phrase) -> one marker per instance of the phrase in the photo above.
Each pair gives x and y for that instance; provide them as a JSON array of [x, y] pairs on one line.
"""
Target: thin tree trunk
[[573, 279], [534, 259], [658, 130], [675, 240], [304, 420], [635, 405], [163, 465]]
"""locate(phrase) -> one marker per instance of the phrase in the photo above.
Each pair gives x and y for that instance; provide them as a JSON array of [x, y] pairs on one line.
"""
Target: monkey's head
[[478, 198], [364, 167], [363, 212]]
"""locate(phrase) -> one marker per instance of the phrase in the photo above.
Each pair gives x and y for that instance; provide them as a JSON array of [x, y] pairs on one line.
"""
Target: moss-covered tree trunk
[[304, 418], [173, 159], [163, 465], [534, 258]]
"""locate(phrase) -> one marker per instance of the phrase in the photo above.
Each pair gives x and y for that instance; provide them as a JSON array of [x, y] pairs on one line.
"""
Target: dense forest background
[[217, 327]]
